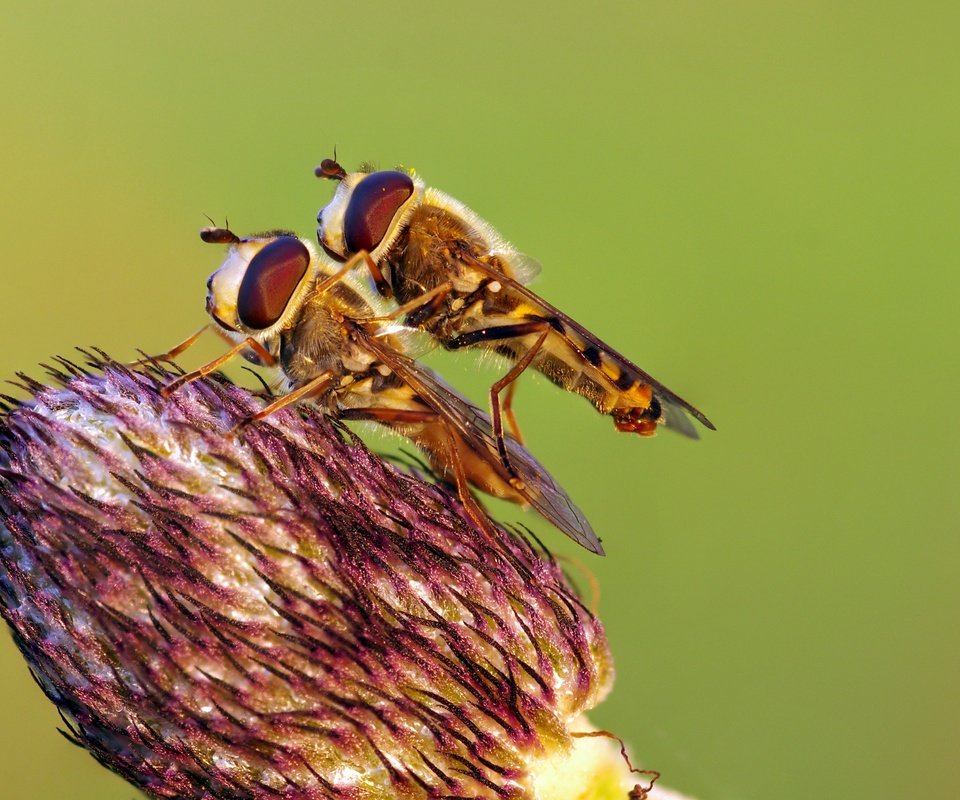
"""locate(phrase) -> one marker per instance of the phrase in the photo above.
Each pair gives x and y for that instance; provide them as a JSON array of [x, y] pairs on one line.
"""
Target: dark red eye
[[373, 206], [270, 281]]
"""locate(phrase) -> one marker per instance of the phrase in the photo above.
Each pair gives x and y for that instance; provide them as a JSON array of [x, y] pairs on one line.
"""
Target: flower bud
[[279, 613]]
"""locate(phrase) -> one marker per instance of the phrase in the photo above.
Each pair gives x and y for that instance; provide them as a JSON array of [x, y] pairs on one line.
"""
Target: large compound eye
[[374, 203], [270, 281]]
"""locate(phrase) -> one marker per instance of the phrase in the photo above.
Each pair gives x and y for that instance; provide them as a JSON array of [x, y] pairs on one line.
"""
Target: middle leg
[[498, 410]]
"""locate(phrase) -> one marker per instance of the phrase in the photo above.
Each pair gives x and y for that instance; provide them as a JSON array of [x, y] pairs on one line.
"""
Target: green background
[[756, 201]]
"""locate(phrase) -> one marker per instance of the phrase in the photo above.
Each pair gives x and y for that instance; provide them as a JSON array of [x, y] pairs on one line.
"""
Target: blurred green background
[[758, 202]]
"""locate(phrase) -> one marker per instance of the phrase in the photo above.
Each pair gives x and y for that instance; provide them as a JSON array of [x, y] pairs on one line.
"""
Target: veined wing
[[595, 351], [475, 428]]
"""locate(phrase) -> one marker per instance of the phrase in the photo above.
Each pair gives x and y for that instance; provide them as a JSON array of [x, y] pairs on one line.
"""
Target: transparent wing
[[412, 342], [527, 269], [676, 420], [475, 428]]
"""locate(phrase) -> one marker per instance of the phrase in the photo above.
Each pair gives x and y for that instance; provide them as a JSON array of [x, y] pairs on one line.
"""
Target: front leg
[[262, 353], [176, 350], [311, 387], [359, 259]]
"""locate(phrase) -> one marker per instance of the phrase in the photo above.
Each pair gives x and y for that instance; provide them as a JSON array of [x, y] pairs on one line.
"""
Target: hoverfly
[[460, 281], [277, 297]]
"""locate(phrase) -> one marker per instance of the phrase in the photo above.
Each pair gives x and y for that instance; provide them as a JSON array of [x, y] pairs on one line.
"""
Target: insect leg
[[363, 257], [309, 388], [218, 362], [463, 489], [508, 380], [500, 332], [540, 326], [389, 416], [173, 352], [508, 413], [425, 305]]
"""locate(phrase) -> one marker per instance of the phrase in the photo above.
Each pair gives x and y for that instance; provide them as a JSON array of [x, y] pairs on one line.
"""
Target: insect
[[459, 280], [281, 302]]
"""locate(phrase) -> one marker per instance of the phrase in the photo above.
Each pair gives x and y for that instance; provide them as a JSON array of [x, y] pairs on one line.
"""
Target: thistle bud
[[279, 613]]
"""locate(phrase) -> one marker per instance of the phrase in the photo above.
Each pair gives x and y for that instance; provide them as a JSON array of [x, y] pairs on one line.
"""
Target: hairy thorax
[[436, 247]]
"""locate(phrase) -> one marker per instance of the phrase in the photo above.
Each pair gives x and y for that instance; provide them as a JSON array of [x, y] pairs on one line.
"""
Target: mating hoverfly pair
[[310, 314]]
